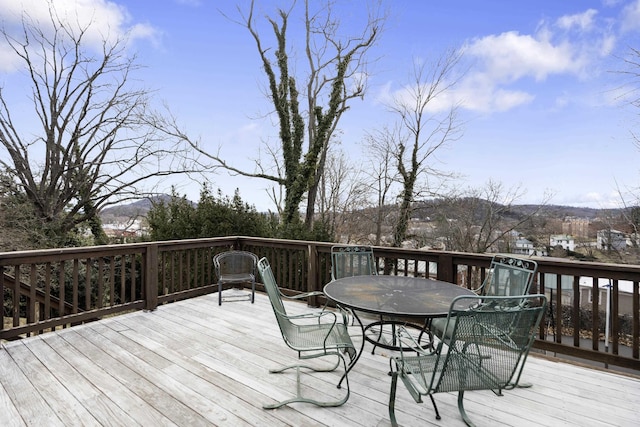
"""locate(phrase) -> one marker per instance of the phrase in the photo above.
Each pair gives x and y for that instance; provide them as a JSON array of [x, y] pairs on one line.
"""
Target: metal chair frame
[[350, 260], [312, 335], [490, 340], [507, 276], [235, 268]]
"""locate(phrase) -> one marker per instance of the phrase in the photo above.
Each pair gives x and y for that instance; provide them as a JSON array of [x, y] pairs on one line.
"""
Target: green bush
[[212, 216]]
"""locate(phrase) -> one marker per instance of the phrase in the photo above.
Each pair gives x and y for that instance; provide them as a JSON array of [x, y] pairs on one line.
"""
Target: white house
[[566, 241], [523, 247], [611, 239]]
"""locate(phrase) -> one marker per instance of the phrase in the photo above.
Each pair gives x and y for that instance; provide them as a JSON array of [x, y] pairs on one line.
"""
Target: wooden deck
[[196, 363]]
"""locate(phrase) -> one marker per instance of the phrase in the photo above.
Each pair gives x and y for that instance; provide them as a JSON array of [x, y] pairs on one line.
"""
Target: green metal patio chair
[[348, 261], [490, 338], [235, 268], [506, 276], [313, 334]]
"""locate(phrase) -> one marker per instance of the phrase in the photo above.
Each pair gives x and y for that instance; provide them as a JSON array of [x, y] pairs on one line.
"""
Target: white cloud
[[102, 19], [193, 3], [610, 200], [583, 21], [630, 19], [508, 66], [478, 93], [511, 56], [572, 46]]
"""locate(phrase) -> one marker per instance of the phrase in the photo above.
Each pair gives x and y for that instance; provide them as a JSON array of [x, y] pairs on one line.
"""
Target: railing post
[[312, 275], [576, 309], [151, 277], [445, 268]]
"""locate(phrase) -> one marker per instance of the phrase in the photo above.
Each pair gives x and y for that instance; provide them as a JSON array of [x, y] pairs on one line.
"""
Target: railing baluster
[[595, 323], [100, 302], [61, 289], [76, 272], [576, 311], [31, 302], [87, 284], [2, 273], [112, 280], [615, 321], [636, 321]]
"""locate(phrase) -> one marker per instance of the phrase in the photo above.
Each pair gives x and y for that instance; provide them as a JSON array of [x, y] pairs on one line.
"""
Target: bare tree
[[93, 147], [421, 131], [336, 74], [630, 197], [480, 220], [381, 175], [630, 89], [341, 196]]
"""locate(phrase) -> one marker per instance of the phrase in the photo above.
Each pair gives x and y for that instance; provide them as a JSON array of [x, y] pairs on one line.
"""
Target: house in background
[[523, 246], [609, 239], [566, 241]]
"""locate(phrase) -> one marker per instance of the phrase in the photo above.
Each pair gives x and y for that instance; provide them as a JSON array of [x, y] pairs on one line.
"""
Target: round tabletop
[[395, 295]]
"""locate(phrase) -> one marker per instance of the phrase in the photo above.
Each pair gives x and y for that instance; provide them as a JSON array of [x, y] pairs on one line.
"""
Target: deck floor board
[[194, 363]]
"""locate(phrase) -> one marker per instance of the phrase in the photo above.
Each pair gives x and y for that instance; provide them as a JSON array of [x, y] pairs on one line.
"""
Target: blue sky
[[540, 104]]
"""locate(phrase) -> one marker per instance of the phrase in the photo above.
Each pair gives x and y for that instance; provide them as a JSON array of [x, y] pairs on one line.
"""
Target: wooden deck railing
[[48, 289]]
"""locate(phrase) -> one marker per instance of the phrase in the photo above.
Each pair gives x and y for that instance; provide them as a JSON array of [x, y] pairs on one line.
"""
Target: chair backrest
[[348, 261], [275, 298], [235, 262], [489, 339], [509, 276]]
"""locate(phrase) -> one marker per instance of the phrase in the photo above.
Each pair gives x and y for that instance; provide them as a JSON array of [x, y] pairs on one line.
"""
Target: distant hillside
[[429, 208], [559, 211], [423, 210], [133, 209]]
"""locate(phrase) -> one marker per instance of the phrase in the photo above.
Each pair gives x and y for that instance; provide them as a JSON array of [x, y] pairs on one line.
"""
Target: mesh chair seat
[[319, 337]]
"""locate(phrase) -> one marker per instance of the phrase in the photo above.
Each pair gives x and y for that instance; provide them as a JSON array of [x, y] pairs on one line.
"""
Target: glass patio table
[[396, 300]]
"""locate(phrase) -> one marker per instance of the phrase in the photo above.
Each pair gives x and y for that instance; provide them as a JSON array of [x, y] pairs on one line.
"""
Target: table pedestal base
[[376, 334]]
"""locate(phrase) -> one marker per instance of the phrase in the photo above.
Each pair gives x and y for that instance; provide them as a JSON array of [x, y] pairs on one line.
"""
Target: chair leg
[[354, 354], [392, 399], [435, 407], [311, 368], [465, 417], [219, 293], [300, 398], [516, 383], [253, 291]]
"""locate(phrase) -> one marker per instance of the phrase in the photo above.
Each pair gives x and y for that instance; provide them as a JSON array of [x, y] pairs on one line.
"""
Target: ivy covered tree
[[312, 77], [213, 216]]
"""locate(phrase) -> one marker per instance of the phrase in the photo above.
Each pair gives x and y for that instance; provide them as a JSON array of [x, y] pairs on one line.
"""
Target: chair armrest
[[303, 295], [502, 335], [406, 340], [319, 315]]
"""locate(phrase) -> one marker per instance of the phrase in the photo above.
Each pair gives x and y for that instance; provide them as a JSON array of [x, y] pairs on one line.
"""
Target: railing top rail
[[546, 264]]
